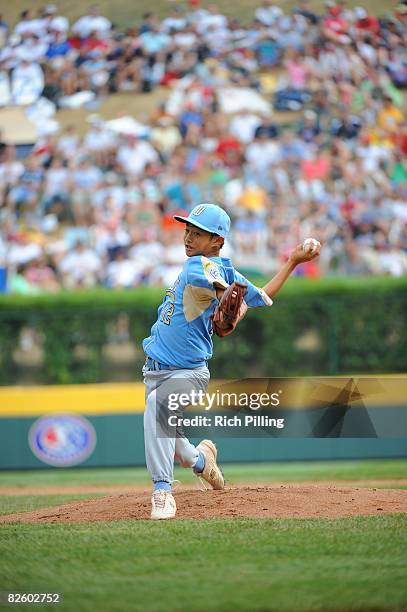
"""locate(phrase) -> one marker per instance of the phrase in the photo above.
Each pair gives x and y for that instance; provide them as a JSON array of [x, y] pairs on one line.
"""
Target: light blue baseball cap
[[208, 217]]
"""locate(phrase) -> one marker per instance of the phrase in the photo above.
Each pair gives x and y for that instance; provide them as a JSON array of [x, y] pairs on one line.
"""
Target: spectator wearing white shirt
[[86, 179], [392, 261], [268, 13], [53, 21], [218, 38], [185, 38], [57, 185], [93, 21], [22, 250], [38, 26], [175, 22], [243, 126], [262, 153], [135, 154], [32, 49], [27, 24], [165, 136], [8, 55], [149, 251], [69, 143], [80, 267], [27, 83], [213, 20], [121, 272], [10, 169], [99, 142]]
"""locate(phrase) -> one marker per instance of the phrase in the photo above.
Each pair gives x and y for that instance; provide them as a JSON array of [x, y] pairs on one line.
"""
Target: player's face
[[199, 242]]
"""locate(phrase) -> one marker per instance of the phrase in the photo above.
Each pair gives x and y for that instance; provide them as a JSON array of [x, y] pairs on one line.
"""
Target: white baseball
[[310, 245]]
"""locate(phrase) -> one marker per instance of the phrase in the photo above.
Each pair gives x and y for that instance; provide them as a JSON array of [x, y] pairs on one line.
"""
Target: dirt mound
[[127, 488], [285, 501]]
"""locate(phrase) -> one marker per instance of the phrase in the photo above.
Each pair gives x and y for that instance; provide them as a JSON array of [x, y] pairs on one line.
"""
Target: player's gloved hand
[[229, 310]]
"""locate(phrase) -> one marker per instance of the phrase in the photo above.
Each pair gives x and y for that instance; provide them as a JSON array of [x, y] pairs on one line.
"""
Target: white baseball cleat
[[163, 505], [211, 472]]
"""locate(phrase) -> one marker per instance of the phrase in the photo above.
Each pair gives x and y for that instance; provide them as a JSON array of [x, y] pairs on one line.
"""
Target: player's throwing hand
[[307, 251]]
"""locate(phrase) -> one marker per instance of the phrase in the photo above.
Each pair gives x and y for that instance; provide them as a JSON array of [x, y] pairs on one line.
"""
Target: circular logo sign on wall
[[62, 440]]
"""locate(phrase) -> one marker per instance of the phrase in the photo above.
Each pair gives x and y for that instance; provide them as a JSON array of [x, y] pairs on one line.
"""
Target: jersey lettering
[[167, 312]]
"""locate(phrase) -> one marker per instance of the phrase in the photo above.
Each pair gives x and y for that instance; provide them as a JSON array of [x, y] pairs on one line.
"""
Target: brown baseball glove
[[227, 312]]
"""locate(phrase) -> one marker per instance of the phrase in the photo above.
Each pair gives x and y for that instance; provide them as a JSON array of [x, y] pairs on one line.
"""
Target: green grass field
[[297, 564], [26, 503], [354, 564], [390, 469]]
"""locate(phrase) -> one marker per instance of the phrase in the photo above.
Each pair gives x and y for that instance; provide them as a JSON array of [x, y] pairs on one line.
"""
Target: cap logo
[[198, 210]]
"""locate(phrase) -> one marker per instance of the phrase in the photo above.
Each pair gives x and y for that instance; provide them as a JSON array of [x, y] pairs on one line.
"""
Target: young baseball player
[[180, 345]]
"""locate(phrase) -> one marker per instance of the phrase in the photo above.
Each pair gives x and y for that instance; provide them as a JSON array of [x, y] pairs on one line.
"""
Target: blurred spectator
[[134, 154], [121, 272], [335, 27], [54, 22], [389, 117], [269, 13], [59, 47], [80, 267], [27, 82], [93, 21], [39, 274], [165, 136], [22, 250], [57, 184], [20, 283]]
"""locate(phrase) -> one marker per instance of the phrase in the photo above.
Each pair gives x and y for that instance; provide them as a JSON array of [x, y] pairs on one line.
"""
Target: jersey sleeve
[[255, 296], [202, 272]]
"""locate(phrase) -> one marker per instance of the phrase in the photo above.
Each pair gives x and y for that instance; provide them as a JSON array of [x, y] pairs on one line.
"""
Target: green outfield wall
[[120, 442], [31, 417]]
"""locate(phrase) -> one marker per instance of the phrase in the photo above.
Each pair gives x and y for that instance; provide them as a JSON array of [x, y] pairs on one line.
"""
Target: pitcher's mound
[[278, 501]]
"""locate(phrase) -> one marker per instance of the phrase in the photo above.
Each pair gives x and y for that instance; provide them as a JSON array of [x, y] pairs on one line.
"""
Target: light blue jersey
[[182, 334]]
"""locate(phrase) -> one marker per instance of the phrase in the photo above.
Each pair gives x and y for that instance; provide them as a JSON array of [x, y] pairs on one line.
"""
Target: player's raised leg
[[202, 459]]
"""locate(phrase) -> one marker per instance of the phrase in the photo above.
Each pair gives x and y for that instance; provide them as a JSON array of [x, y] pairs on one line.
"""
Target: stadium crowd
[[295, 122]]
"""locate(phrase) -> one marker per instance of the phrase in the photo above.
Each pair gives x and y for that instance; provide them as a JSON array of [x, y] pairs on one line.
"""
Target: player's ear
[[219, 241]]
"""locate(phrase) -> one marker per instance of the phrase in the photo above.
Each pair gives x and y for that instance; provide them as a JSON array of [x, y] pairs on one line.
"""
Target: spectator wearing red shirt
[[334, 27], [229, 150], [401, 139], [365, 23], [348, 209], [317, 168], [94, 42]]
